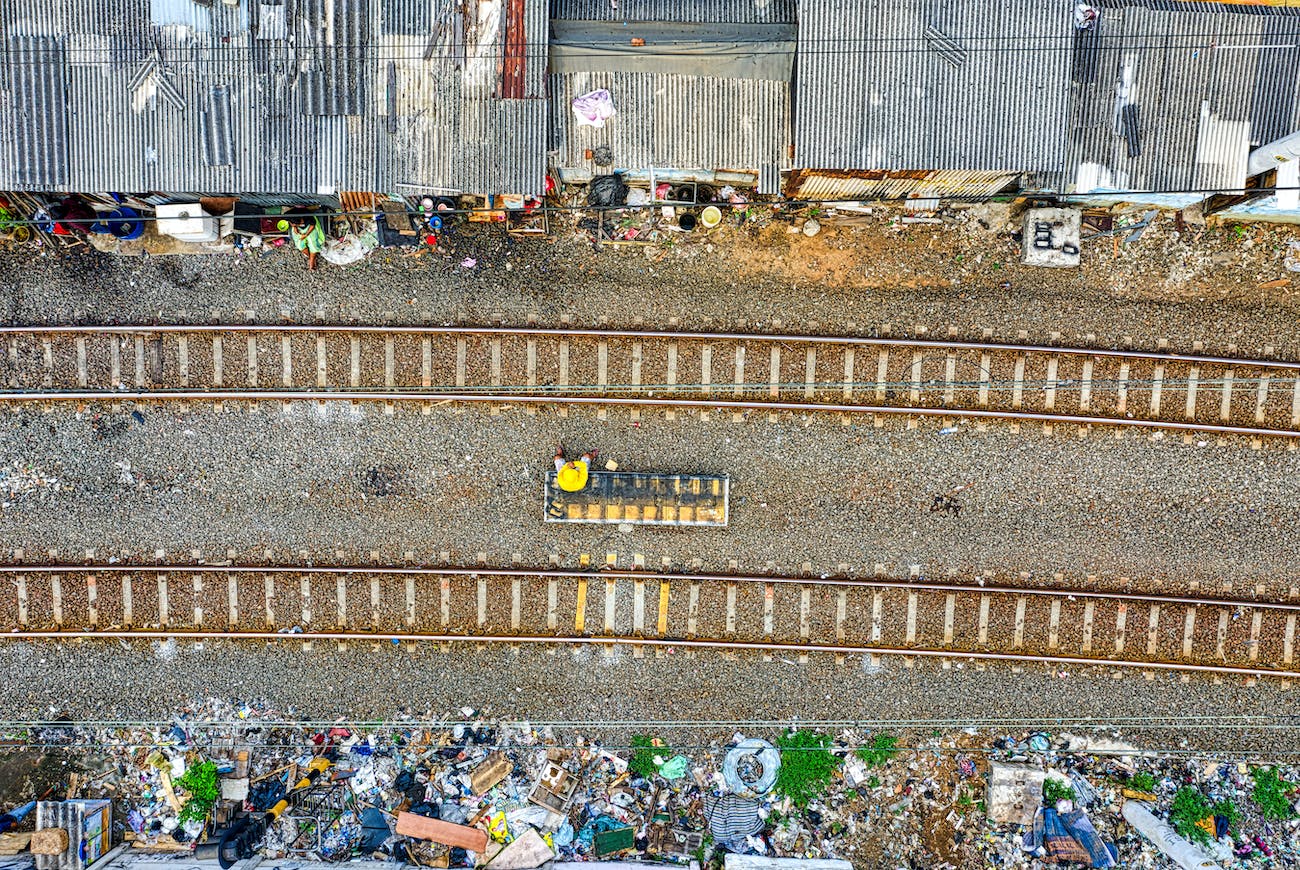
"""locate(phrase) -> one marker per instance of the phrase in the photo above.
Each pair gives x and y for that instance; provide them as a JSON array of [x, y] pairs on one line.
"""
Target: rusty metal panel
[[819, 186]]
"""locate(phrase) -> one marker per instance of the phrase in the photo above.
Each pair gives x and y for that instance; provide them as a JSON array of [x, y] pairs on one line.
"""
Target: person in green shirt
[[308, 236]]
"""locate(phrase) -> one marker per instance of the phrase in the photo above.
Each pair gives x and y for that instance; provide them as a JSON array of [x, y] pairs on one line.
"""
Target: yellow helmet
[[572, 476]]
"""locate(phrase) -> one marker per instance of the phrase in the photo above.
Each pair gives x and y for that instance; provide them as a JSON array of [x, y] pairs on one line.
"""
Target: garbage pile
[[475, 792]]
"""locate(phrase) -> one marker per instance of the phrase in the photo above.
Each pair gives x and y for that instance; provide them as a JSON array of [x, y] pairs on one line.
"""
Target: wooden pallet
[[641, 499]]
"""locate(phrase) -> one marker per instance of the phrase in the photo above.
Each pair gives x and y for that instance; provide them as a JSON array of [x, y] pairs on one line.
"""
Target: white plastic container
[[187, 221]]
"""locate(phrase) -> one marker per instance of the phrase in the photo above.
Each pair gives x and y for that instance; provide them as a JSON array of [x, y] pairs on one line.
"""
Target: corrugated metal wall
[[677, 122]]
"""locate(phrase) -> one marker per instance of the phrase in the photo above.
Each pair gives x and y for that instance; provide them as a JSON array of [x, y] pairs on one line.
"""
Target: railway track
[[640, 369], [654, 610]]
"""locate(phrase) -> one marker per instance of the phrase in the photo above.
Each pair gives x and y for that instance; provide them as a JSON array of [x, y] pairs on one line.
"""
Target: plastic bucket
[[687, 221], [125, 224], [711, 217]]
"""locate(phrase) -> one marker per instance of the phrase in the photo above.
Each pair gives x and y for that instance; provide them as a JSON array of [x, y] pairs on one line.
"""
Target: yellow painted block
[[580, 615], [611, 560], [716, 486], [696, 485], [650, 512], [584, 559], [593, 511], [687, 514], [631, 513], [575, 512], [670, 513], [611, 512], [663, 608], [677, 485]]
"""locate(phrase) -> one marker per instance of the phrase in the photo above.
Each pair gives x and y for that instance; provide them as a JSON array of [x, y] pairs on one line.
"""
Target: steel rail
[[545, 332], [659, 642], [633, 574], [225, 395]]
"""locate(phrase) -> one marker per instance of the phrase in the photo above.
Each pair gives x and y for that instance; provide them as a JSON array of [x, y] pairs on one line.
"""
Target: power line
[[176, 57], [564, 209]]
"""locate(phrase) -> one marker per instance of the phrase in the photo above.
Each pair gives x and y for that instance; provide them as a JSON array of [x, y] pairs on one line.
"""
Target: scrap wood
[[270, 774], [422, 828], [1272, 285], [12, 844], [170, 793]]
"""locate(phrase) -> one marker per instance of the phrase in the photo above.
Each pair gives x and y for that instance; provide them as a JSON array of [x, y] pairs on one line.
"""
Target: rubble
[[511, 796]]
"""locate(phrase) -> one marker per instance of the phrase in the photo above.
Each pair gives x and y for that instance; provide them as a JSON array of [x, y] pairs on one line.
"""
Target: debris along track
[[644, 608], [947, 379]]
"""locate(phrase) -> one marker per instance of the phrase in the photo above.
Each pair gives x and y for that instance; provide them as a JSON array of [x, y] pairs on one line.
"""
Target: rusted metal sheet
[[818, 185]]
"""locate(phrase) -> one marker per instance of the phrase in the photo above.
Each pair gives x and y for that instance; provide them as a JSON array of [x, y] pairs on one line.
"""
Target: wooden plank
[[424, 828]]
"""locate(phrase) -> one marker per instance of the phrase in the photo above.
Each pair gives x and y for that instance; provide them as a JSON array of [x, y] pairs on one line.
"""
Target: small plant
[[1054, 790], [200, 781], [1271, 793], [806, 765], [814, 212], [873, 782], [878, 752], [1191, 808], [1143, 782], [644, 750]]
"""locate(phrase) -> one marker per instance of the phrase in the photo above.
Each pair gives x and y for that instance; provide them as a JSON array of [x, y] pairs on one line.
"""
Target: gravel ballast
[[805, 489], [1212, 286]]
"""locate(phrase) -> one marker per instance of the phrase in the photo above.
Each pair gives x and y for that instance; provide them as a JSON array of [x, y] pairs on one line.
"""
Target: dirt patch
[[971, 248], [26, 774]]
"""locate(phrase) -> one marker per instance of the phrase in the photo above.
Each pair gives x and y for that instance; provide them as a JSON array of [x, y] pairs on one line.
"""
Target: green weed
[[200, 781], [806, 765], [644, 751], [1270, 793], [1143, 782], [878, 752], [1190, 807], [1054, 790]]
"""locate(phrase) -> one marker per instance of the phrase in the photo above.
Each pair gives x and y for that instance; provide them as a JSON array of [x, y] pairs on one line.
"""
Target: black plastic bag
[[607, 191]]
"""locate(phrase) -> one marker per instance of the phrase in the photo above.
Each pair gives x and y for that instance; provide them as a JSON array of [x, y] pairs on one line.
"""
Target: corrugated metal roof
[[982, 91], [270, 97], [1201, 85], [721, 11]]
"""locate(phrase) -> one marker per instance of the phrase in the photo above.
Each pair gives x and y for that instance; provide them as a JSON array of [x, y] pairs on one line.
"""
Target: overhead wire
[[781, 203]]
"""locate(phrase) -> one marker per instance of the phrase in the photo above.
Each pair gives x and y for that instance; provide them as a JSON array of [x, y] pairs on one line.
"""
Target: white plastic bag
[[593, 109]]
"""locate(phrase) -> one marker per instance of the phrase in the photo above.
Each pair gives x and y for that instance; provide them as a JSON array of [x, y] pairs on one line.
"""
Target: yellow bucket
[[711, 217]]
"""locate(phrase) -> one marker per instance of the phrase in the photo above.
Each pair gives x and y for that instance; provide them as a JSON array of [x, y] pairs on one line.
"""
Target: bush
[[878, 752], [1270, 794], [200, 781], [806, 766]]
